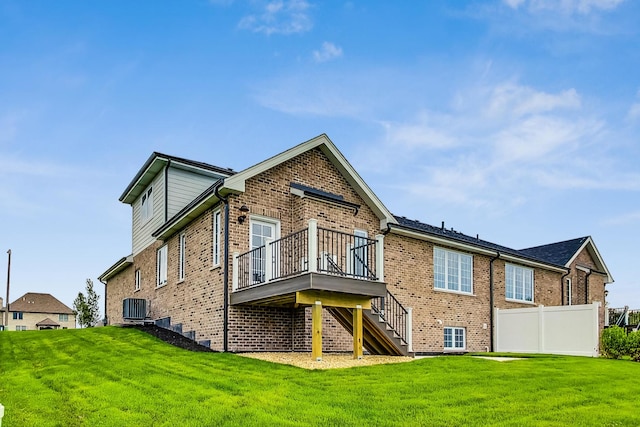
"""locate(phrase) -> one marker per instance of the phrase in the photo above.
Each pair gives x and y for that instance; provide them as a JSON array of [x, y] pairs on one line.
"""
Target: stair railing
[[392, 313]]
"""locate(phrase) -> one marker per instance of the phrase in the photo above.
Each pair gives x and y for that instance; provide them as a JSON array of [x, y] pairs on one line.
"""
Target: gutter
[[562, 286], [491, 300], [225, 322]]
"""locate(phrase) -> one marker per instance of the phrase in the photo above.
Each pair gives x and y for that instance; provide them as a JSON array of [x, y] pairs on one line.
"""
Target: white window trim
[[268, 219], [446, 269], [216, 245], [137, 280], [182, 239], [161, 266], [453, 339], [146, 205], [533, 285]]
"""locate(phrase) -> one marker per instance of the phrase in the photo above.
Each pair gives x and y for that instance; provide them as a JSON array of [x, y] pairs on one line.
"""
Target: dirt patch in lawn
[[329, 361]]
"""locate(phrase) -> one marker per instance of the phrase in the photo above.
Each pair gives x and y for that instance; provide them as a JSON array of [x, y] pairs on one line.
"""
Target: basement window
[[454, 339]]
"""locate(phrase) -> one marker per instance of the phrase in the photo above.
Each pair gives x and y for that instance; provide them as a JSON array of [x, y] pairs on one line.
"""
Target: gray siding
[[184, 186], [142, 231]]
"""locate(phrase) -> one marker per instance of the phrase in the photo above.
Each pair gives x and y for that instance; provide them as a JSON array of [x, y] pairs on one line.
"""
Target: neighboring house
[[35, 311], [298, 247]]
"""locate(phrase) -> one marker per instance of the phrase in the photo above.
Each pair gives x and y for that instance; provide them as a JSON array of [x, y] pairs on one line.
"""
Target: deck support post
[[316, 331], [357, 332], [312, 242]]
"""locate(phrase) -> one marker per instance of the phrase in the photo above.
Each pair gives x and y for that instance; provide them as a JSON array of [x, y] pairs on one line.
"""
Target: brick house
[[37, 311], [296, 253]]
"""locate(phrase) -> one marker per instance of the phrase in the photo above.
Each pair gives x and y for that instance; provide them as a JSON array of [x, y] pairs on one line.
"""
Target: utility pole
[[6, 312]]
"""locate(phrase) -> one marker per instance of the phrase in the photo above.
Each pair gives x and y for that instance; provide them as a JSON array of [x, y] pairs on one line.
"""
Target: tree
[[86, 307]]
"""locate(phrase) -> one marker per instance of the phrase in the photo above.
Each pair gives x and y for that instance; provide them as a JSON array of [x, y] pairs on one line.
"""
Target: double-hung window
[[146, 205], [63, 317], [216, 238], [454, 338], [138, 280], [453, 271], [519, 283], [161, 266], [181, 255]]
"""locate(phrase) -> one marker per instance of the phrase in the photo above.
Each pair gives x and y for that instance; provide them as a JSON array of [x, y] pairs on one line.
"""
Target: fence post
[[234, 279], [496, 325], [596, 328], [312, 250], [409, 329], [380, 257], [541, 328], [1, 414]]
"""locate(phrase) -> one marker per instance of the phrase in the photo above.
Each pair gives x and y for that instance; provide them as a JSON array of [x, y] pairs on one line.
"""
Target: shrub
[[633, 345], [613, 342]]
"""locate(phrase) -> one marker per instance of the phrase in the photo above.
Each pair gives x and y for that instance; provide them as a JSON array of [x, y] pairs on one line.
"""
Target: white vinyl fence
[[570, 330]]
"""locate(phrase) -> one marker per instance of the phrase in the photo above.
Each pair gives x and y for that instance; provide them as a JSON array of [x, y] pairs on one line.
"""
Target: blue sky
[[517, 120]]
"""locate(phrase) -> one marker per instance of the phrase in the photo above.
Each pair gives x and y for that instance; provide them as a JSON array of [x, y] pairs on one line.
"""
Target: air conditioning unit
[[134, 309]]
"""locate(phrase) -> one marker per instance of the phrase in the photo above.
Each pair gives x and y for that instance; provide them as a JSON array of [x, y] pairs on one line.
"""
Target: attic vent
[[134, 309]]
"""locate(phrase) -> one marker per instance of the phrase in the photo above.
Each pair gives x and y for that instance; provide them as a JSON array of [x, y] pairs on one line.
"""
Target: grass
[[120, 377]]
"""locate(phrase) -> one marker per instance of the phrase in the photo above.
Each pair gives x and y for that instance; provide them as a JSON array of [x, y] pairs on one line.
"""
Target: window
[[568, 292], [146, 205], [181, 255], [161, 265], [63, 317], [452, 271], [454, 338], [216, 238], [137, 280], [17, 315], [519, 283], [21, 328]]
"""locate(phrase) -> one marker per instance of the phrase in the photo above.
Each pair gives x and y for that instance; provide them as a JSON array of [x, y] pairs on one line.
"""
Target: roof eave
[[425, 235], [116, 268]]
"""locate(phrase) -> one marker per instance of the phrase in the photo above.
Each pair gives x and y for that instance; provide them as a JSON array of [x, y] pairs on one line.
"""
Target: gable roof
[[567, 251], [156, 162], [33, 302], [235, 184], [47, 322], [414, 228]]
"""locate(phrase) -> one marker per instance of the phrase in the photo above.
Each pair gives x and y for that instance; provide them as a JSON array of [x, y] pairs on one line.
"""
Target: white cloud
[[328, 52], [280, 17], [582, 7], [634, 111], [517, 100], [624, 219]]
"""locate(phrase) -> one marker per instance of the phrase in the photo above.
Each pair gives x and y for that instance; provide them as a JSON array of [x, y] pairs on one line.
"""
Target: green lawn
[[123, 377]]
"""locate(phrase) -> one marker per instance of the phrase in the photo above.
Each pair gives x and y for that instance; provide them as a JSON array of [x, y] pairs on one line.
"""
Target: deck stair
[[384, 330]]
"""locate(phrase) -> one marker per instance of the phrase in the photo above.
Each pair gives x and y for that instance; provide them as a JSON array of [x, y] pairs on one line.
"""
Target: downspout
[[225, 280], [166, 191], [586, 287], [491, 302], [562, 286], [106, 321]]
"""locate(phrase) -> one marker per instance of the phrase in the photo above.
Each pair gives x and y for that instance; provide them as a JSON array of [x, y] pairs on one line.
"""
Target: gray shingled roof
[[33, 302], [470, 240], [558, 253]]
